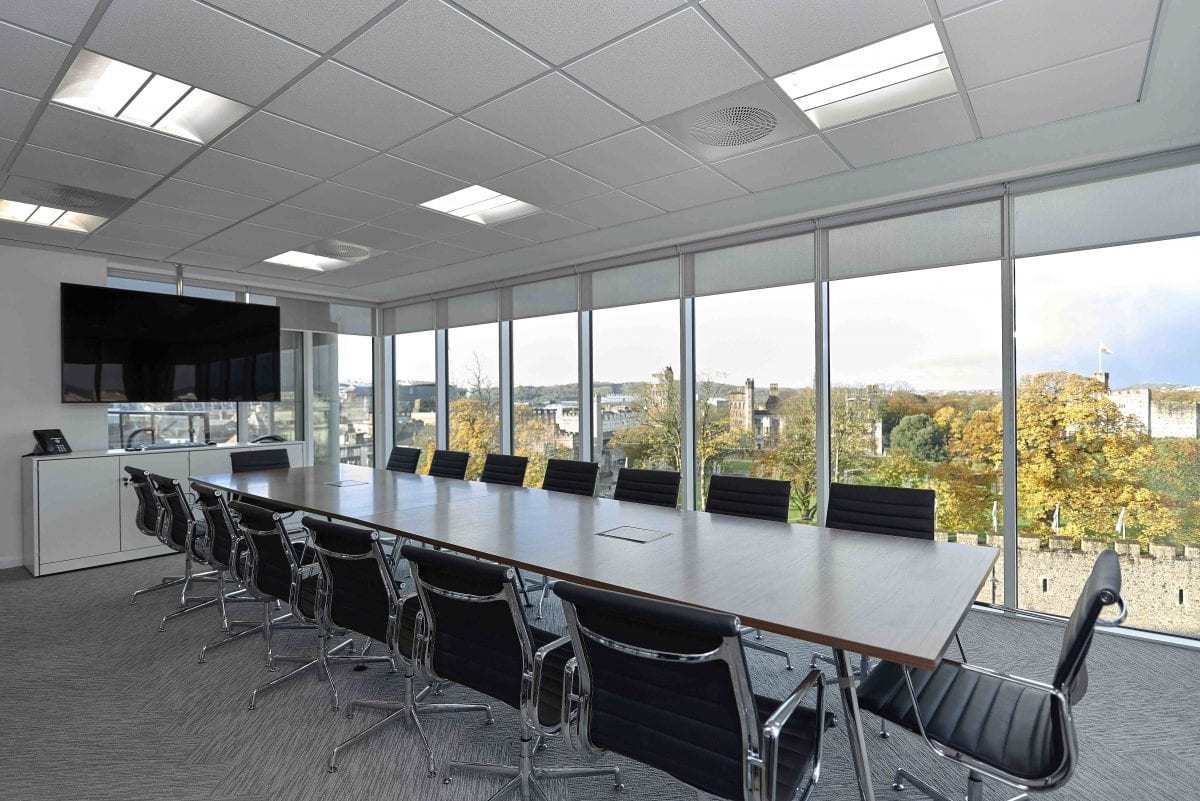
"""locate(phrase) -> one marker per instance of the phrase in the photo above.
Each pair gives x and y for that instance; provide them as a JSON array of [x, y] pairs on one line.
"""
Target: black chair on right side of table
[[403, 459], [654, 487], [1014, 730], [449, 464], [757, 499], [501, 468], [571, 476], [668, 685]]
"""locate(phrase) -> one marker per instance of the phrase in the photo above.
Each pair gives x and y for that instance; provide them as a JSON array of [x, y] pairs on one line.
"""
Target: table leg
[[854, 728]]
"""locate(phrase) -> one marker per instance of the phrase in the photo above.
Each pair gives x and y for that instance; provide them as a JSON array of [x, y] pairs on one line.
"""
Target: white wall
[[30, 364]]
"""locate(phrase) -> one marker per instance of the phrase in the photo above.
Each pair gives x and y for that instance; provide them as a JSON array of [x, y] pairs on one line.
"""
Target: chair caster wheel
[[490, 722], [789, 667], [251, 707], [446, 780], [331, 769], [429, 774], [618, 787], [883, 735], [897, 786]]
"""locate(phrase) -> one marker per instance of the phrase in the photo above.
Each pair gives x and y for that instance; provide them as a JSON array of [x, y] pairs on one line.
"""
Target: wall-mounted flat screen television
[[119, 345]]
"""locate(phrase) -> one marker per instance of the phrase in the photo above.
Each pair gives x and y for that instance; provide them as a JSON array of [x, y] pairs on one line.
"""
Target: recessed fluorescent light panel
[[122, 91], [49, 217], [900, 71], [308, 261], [481, 205]]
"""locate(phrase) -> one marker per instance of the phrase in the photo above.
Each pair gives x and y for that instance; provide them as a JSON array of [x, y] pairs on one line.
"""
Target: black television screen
[[121, 345]]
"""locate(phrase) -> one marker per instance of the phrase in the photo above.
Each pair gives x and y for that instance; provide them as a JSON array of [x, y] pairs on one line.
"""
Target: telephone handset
[[50, 441]]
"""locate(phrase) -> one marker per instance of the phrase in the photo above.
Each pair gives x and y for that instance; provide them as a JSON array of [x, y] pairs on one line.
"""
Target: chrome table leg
[[854, 724]]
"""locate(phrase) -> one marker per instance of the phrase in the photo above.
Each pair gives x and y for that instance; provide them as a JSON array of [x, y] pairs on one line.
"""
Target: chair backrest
[[657, 487], [898, 511], [149, 512], [259, 459], [1102, 588], [760, 498], [404, 460], [359, 593], [449, 464], [476, 627], [568, 475], [664, 684], [177, 513], [273, 565], [223, 534], [500, 468]]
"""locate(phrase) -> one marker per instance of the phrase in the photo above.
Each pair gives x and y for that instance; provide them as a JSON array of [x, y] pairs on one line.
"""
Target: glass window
[[286, 417], [635, 392], [343, 399], [131, 424], [1108, 416], [755, 402], [545, 391], [414, 358], [209, 292], [474, 367], [141, 285]]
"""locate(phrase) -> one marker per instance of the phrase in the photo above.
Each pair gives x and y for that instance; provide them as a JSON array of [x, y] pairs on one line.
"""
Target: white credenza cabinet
[[80, 511]]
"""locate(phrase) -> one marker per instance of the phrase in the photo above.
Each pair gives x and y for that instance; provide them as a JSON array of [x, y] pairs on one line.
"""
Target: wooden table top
[[887, 597]]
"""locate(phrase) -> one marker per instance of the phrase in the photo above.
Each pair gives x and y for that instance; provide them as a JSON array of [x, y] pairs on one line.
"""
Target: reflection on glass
[[285, 418], [343, 399], [474, 366], [545, 391], [416, 393], [134, 424]]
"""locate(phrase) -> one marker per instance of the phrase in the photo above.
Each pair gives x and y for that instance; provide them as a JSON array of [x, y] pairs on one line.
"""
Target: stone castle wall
[[1160, 418], [1162, 588]]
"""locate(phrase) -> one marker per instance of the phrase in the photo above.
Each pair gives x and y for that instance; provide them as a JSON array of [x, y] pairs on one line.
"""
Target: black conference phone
[[50, 441]]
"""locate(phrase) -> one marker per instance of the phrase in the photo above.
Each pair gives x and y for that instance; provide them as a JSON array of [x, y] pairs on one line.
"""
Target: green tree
[[921, 436]]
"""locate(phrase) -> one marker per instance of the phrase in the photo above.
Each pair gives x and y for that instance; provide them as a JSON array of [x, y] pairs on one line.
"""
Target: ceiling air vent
[[734, 126], [340, 250], [65, 197]]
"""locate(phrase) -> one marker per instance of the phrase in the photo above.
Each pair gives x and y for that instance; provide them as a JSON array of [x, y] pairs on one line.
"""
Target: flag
[[1104, 349], [1121, 522], [1054, 525]]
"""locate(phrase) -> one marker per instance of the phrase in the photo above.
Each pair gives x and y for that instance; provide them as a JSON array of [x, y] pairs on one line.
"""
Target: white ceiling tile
[[342, 201], [1013, 37], [15, 113], [336, 99], [629, 158], [103, 139], [274, 140], [488, 240], [673, 64], [547, 184], [40, 234], [1080, 87], [683, 190], [318, 24], [371, 271], [134, 232], [71, 170], [786, 163], [199, 45], [380, 238], [28, 62], [6, 148], [290, 218], [253, 241], [783, 35], [191, 196], [929, 126], [216, 261], [63, 19], [245, 176], [608, 209], [563, 29], [166, 217], [400, 180], [99, 243], [948, 7], [439, 54], [544, 226], [439, 255], [425, 224], [552, 115], [466, 151]]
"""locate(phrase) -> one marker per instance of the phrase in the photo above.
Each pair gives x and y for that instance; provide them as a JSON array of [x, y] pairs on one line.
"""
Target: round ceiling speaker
[[340, 250], [733, 127], [64, 197]]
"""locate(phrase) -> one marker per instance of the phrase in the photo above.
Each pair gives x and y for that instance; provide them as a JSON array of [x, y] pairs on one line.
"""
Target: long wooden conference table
[[887, 597]]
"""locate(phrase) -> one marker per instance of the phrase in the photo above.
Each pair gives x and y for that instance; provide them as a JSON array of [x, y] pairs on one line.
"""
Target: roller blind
[[635, 283], [775, 262], [958, 235], [478, 307], [410, 318], [537, 299], [1152, 205], [352, 319], [333, 318]]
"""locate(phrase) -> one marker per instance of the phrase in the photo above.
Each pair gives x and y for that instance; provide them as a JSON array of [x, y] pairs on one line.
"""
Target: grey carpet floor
[[97, 705]]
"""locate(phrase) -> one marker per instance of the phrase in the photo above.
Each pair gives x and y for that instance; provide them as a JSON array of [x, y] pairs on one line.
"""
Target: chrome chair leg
[[304, 668], [525, 779], [253, 628], [187, 610], [167, 581], [762, 646], [974, 787]]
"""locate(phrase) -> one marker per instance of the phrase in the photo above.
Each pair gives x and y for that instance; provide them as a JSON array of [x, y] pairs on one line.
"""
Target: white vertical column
[[307, 396], [385, 392], [821, 379], [441, 356], [1008, 372], [506, 387], [687, 381], [587, 424]]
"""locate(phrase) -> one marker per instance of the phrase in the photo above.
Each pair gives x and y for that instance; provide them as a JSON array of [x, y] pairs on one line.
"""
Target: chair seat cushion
[[551, 692], [797, 743], [999, 722]]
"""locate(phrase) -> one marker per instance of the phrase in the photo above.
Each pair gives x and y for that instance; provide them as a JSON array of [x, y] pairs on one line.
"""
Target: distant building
[[760, 419], [1160, 418]]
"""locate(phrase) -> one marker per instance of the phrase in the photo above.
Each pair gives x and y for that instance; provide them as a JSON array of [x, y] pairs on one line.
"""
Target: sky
[[936, 329]]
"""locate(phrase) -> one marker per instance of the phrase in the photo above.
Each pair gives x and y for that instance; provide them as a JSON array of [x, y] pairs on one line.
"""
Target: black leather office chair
[[404, 460], [668, 685], [655, 487], [477, 636], [259, 459], [501, 468], [149, 519], [1014, 730], [361, 596], [449, 464], [183, 533], [759, 499], [568, 475]]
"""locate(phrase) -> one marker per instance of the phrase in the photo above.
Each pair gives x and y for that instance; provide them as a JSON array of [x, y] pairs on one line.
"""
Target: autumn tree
[[474, 418], [537, 438], [920, 436]]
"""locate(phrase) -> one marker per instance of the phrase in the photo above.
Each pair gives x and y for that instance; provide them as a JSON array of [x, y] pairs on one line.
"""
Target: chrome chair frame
[[155, 532], [524, 779], [760, 759]]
